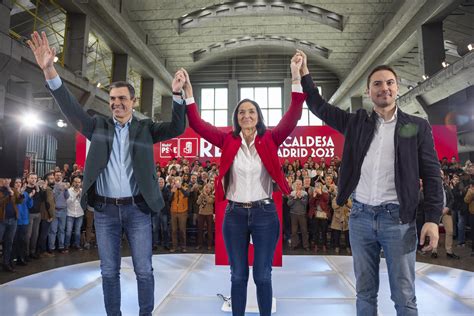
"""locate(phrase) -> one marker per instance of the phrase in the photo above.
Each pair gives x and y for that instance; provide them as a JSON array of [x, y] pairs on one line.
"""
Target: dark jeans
[[337, 238], [161, 229], [19, 244], [7, 234], [262, 224], [109, 222], [33, 233], [471, 220], [43, 236], [320, 232], [286, 221], [206, 220]]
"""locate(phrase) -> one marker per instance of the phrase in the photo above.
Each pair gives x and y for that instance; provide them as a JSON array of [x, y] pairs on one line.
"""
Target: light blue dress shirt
[[117, 179]]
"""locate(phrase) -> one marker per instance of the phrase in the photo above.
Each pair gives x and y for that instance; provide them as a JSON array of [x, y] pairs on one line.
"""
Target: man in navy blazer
[[119, 176]]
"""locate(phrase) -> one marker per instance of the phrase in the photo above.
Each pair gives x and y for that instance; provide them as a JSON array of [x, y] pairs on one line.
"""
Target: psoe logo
[[188, 147], [169, 148]]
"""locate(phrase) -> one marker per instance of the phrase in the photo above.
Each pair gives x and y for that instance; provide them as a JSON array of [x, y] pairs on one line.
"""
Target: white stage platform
[[187, 284]]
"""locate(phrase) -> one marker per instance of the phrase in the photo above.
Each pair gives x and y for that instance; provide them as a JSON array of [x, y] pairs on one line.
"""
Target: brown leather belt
[[120, 201]]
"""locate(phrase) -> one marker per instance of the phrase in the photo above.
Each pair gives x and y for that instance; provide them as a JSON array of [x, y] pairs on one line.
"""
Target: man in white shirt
[[75, 214], [386, 152]]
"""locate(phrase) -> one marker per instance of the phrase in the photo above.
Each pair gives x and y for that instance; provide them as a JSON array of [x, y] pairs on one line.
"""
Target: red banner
[[316, 141]]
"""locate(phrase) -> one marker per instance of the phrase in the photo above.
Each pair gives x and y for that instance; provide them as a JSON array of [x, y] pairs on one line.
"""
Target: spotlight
[[56, 59], [444, 64], [98, 84], [60, 123], [470, 47], [424, 77], [30, 120]]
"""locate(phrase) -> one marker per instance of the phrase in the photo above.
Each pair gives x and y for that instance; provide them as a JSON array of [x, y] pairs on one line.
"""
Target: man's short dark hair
[[123, 84], [47, 175], [378, 68]]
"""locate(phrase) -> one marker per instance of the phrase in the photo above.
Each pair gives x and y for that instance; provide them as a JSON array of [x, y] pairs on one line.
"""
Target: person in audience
[[179, 213], [75, 214], [57, 230], [19, 243], [469, 200], [161, 226], [205, 202], [447, 220], [9, 199], [48, 212], [298, 203], [319, 215], [340, 224]]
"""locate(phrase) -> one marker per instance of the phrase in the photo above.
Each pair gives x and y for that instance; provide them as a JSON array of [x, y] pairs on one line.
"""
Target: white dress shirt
[[249, 180], [74, 208], [377, 180]]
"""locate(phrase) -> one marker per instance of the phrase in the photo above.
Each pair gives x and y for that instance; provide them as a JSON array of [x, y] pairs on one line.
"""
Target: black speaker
[[12, 149]]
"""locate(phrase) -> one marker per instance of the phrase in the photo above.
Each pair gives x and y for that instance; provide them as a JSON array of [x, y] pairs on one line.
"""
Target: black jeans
[[471, 220], [43, 236], [321, 228], [337, 238]]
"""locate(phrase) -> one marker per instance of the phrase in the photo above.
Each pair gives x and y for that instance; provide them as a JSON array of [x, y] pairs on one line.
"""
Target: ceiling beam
[[398, 30], [123, 37], [446, 82]]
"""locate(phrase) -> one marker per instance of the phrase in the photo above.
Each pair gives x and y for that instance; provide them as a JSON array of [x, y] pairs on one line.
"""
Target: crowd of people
[[43, 217]]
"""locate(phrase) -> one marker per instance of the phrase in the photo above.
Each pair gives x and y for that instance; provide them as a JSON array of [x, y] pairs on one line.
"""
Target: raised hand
[[304, 67], [178, 81], [44, 54], [188, 88], [296, 63]]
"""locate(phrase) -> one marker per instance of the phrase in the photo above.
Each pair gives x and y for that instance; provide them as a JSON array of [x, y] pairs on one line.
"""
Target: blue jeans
[[161, 230], [109, 222], [76, 224], [262, 224], [372, 228], [7, 234], [57, 228]]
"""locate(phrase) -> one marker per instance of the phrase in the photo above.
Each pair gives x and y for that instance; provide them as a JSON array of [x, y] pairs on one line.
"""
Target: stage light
[[30, 120], [98, 84], [60, 123], [444, 64], [424, 77], [56, 59], [470, 47]]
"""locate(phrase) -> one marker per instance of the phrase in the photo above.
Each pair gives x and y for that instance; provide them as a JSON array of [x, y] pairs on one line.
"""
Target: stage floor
[[187, 284]]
